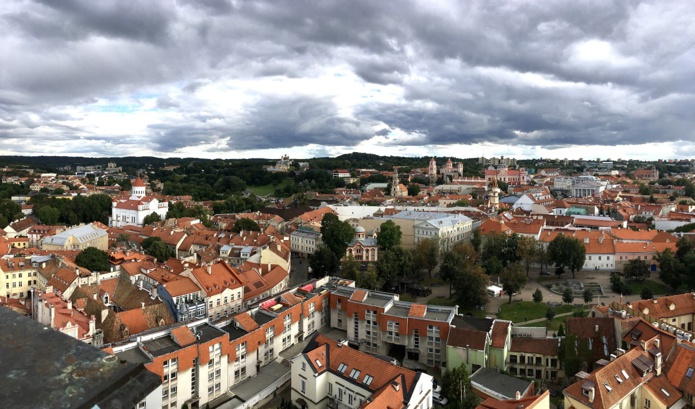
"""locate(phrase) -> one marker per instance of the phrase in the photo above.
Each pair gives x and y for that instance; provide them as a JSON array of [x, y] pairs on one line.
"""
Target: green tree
[[637, 269], [513, 280], [123, 237], [245, 224], [561, 331], [413, 189], [549, 314], [567, 252], [470, 287], [349, 267], [538, 296], [646, 293], [93, 259], [151, 218], [336, 235], [58, 191], [155, 247], [425, 255], [456, 386], [394, 265], [476, 240], [568, 296], [527, 251], [684, 246], [10, 210], [323, 262], [49, 215], [493, 266], [369, 279], [670, 268], [588, 295], [389, 235]]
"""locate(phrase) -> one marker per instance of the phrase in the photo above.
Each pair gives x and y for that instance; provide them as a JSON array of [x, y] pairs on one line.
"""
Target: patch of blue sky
[[119, 108]]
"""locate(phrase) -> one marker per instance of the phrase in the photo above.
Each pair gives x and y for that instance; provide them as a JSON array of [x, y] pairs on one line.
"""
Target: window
[[368, 379], [354, 373], [647, 403], [303, 366], [303, 386], [330, 389], [342, 367], [218, 386], [173, 391]]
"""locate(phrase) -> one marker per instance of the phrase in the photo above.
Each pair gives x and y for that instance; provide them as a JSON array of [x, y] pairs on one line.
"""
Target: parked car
[[437, 389], [439, 400], [544, 273]]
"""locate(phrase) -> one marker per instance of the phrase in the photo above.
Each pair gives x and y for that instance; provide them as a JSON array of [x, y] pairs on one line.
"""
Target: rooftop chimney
[[143, 305], [518, 395], [592, 393], [596, 328], [657, 343], [657, 363]]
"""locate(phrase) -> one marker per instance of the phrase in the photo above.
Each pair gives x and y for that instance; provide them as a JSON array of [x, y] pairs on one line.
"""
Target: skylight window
[[318, 363], [665, 393], [689, 374], [625, 375], [617, 378], [608, 387], [368, 379], [342, 367]]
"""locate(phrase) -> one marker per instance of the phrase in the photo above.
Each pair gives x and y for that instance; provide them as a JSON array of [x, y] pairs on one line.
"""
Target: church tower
[[494, 195], [139, 189], [432, 172], [394, 182]]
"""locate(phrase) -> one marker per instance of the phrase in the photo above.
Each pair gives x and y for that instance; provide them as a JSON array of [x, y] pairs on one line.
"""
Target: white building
[[446, 230], [134, 209], [329, 373], [304, 241]]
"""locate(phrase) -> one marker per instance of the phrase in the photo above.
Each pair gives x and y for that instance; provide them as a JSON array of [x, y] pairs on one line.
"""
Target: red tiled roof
[[183, 336], [246, 322], [542, 346], [417, 310], [500, 329]]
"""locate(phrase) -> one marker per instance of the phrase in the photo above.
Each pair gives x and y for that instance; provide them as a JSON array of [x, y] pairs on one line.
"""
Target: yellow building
[[77, 239]]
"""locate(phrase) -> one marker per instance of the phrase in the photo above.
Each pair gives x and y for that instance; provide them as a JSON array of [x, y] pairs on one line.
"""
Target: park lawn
[[554, 324], [519, 312], [266, 190], [636, 287]]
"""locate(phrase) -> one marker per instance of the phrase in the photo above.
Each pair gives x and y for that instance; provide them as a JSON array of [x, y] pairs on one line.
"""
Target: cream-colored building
[[333, 375], [78, 238], [17, 277]]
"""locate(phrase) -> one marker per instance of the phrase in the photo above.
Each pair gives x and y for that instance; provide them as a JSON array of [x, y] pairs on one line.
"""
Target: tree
[[493, 266], [245, 224], [550, 314], [455, 261], [323, 262], [588, 295], [389, 235], [527, 251], [336, 235], [561, 331], [568, 296], [155, 247], [567, 252], [425, 255], [349, 268], [476, 240], [413, 189], [670, 268], [470, 287], [537, 296], [123, 237], [151, 218], [456, 386], [646, 293], [684, 247], [58, 191], [513, 280], [637, 269], [369, 279], [49, 215], [395, 264], [93, 259]]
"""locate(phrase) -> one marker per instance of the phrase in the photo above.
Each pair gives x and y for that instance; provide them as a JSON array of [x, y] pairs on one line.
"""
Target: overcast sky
[[234, 79]]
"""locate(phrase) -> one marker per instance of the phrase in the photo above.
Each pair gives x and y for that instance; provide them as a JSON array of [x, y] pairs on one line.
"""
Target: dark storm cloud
[[272, 123], [537, 73]]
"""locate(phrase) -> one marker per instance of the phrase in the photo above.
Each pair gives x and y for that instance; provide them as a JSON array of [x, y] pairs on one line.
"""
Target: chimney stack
[[518, 395], [592, 393], [209, 268], [69, 305], [143, 305], [657, 364], [657, 343]]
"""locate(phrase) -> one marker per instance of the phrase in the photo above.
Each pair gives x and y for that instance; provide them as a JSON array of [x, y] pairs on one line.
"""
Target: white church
[[133, 210]]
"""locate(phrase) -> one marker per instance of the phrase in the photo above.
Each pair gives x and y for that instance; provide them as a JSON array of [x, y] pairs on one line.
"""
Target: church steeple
[[394, 182]]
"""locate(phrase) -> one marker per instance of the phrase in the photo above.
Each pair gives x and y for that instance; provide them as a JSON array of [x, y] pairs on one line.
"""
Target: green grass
[[518, 312], [554, 324], [266, 189], [636, 287]]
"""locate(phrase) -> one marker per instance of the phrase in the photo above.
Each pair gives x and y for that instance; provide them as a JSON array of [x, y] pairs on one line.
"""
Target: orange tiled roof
[[183, 336], [670, 306], [542, 346], [500, 329], [246, 322], [417, 310]]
